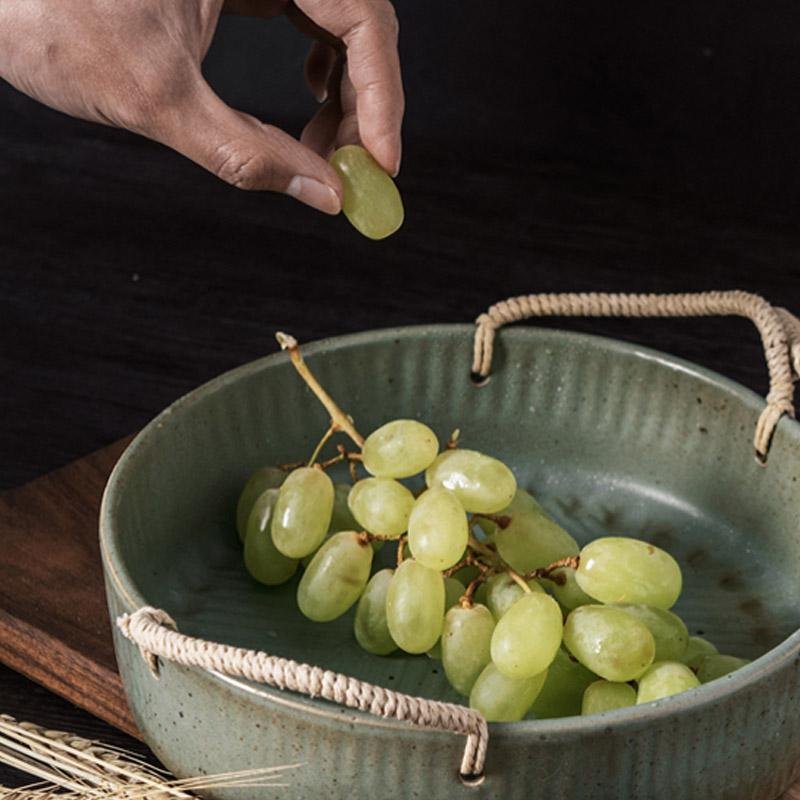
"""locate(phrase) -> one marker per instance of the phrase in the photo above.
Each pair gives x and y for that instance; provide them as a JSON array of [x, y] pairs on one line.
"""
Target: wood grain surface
[[54, 624]]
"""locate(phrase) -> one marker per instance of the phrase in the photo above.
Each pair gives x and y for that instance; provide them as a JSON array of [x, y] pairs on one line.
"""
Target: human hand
[[135, 64]]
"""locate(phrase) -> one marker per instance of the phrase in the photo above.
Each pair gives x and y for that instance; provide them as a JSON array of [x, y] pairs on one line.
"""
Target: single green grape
[[568, 593], [669, 631], [608, 641], [335, 578], [371, 200], [665, 678], [531, 539], [303, 512], [697, 649], [261, 480], [466, 641], [503, 699], [438, 529], [716, 666], [415, 606], [617, 569], [603, 696], [563, 690], [399, 449], [262, 559], [370, 625], [342, 518], [483, 484], [453, 590], [527, 637], [381, 506], [502, 591]]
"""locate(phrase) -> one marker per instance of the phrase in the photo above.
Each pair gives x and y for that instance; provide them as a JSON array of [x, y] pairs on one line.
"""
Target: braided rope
[[779, 330], [155, 634]]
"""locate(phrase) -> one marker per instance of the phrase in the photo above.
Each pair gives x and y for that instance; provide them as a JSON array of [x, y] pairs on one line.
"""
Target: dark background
[[548, 147]]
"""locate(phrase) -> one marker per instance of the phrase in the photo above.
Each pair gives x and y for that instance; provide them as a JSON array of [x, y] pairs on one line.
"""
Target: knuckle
[[242, 168]]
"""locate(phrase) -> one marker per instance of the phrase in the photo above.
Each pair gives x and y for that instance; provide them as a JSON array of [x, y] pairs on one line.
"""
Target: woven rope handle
[[779, 330], [155, 634]]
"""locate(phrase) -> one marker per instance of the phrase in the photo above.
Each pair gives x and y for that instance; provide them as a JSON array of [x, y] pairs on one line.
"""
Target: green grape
[[716, 666], [697, 649], [335, 578], [261, 480], [483, 484], [399, 449], [480, 594], [453, 591], [438, 530], [621, 570], [342, 518], [608, 641], [502, 591], [381, 506], [561, 694], [370, 625], [303, 512], [262, 559], [568, 593], [466, 640], [503, 699], [665, 678], [603, 696], [415, 606], [371, 200], [527, 637], [669, 631], [531, 539]]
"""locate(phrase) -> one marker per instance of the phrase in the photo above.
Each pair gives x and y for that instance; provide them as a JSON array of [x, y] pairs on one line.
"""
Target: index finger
[[369, 30]]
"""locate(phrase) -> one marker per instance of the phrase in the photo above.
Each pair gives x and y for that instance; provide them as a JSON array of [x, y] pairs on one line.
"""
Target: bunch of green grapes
[[524, 621]]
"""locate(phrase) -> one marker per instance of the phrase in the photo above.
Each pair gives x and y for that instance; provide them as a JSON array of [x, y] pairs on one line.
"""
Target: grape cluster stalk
[[524, 620]]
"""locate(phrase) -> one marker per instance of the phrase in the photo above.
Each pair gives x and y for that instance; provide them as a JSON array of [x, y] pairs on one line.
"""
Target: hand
[[135, 64]]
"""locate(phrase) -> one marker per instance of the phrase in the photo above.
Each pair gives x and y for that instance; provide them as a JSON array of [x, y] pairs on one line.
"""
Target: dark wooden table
[[128, 277]]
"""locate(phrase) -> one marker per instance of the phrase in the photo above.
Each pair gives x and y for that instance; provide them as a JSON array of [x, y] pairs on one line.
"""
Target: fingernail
[[399, 157], [315, 194], [323, 95]]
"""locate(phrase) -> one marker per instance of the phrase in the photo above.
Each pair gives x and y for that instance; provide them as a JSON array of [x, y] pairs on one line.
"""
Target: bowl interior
[[611, 438]]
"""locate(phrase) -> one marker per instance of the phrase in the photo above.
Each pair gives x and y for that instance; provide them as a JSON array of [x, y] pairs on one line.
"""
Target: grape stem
[[478, 547], [518, 579], [573, 562], [465, 601], [338, 417], [452, 442], [401, 546], [327, 435]]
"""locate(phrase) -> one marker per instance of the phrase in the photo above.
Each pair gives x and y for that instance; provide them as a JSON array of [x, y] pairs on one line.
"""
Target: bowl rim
[[761, 668]]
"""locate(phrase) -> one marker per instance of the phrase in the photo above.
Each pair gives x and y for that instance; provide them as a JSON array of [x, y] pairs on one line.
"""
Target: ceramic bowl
[[611, 437]]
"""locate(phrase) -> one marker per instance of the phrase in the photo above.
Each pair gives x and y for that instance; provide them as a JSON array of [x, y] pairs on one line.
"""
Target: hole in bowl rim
[[631, 718]]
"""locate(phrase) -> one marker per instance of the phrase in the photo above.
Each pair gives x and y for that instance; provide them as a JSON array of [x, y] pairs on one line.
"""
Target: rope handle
[[779, 330], [156, 635]]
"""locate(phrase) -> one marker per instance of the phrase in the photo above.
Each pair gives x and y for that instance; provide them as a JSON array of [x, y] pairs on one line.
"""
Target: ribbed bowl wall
[[611, 438]]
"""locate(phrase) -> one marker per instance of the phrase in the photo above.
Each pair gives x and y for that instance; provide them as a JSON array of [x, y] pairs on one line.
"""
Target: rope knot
[[142, 624]]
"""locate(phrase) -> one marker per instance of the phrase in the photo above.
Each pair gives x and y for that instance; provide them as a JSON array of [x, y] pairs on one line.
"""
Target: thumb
[[248, 154]]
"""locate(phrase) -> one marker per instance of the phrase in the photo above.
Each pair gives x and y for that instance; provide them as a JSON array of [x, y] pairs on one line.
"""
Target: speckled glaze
[[612, 438]]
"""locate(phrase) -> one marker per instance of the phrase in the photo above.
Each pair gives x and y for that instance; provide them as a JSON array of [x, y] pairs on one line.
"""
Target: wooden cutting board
[[54, 624]]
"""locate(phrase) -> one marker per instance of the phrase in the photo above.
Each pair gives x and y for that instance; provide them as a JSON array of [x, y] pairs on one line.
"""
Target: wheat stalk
[[73, 768]]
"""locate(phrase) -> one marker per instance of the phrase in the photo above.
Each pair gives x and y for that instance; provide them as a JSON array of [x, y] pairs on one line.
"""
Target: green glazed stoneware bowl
[[612, 438]]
